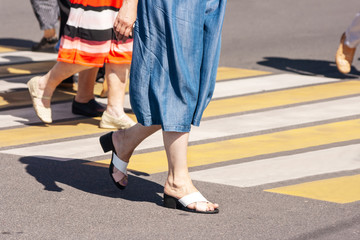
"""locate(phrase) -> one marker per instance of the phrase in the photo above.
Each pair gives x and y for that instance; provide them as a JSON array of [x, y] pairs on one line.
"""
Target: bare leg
[[86, 83], [116, 76], [126, 140], [114, 115], [178, 183], [49, 82], [49, 33], [104, 92]]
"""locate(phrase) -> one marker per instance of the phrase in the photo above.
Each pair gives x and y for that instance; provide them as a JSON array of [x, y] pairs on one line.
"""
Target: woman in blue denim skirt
[[173, 72]]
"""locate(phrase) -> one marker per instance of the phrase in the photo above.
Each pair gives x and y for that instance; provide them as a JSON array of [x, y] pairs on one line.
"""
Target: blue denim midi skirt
[[175, 59]]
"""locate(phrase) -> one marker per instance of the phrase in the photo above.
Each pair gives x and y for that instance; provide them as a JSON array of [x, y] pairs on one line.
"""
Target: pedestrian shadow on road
[[16, 43], [89, 178], [309, 67]]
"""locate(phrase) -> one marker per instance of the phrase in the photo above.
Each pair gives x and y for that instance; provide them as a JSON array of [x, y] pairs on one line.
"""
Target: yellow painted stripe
[[22, 98], [31, 134], [17, 136], [328, 90], [28, 68], [12, 49], [222, 151], [281, 98], [18, 71], [338, 190], [7, 49], [236, 104], [225, 73]]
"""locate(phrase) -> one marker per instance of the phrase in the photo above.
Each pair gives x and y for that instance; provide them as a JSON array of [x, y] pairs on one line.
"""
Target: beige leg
[[114, 116], [125, 141], [49, 33], [42, 88], [116, 76], [60, 71], [86, 85], [178, 183], [104, 92]]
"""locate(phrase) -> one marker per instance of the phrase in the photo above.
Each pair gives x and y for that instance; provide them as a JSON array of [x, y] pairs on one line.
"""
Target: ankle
[[122, 148], [46, 84], [115, 112], [179, 186], [49, 33], [83, 99]]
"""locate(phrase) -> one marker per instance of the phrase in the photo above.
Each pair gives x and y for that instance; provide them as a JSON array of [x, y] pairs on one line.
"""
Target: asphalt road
[[256, 35], [43, 198]]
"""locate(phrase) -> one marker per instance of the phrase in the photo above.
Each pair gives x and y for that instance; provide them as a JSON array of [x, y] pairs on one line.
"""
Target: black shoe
[[45, 45], [100, 75], [89, 109]]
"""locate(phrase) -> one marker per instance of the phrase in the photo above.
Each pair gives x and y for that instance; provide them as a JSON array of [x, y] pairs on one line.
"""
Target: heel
[[170, 202], [106, 142]]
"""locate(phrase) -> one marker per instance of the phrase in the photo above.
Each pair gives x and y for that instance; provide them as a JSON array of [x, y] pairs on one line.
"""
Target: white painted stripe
[[63, 151], [266, 83], [80, 149], [18, 117], [278, 118], [284, 168], [223, 89], [25, 57], [243, 86], [22, 116], [6, 86], [248, 85], [91, 19]]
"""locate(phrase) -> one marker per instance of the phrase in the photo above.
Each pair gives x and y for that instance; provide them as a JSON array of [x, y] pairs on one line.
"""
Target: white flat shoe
[[123, 122], [44, 113]]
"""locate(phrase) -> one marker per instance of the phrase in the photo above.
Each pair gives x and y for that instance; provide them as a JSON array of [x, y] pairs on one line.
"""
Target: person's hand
[[124, 22]]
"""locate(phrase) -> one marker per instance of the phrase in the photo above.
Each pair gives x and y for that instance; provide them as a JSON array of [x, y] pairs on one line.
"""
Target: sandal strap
[[192, 198], [119, 164]]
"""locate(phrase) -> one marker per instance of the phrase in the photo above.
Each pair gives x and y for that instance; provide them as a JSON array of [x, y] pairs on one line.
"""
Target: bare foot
[[179, 190], [119, 141]]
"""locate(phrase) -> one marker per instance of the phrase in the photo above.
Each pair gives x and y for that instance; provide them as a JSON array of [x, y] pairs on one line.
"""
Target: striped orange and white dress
[[89, 38]]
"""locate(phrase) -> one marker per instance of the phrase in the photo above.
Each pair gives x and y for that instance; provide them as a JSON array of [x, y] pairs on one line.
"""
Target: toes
[[212, 206], [119, 177], [203, 206], [124, 181]]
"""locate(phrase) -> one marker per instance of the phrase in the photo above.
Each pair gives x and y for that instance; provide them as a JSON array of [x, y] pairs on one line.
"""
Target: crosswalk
[[259, 129]]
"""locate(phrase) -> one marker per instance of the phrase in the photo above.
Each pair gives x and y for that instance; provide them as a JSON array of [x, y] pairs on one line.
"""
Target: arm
[[124, 22]]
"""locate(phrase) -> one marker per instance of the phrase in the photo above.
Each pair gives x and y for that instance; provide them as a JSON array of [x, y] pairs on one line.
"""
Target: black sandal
[[120, 175], [182, 203]]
